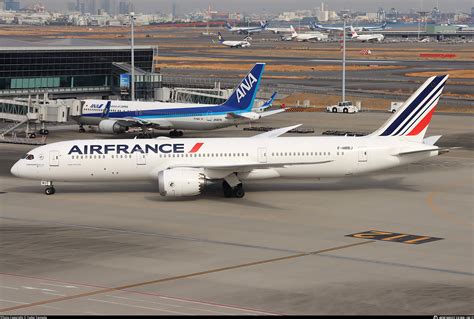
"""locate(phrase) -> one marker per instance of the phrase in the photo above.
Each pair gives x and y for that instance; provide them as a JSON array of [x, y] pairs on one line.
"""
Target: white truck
[[343, 107], [394, 106]]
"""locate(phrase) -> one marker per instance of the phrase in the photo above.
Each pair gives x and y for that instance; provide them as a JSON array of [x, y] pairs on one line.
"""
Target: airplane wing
[[277, 132], [246, 167], [268, 113]]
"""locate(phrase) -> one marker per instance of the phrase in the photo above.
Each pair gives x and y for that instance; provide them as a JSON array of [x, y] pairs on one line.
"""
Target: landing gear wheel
[[227, 189], [180, 133], [49, 191], [238, 191], [82, 129], [176, 133], [32, 135]]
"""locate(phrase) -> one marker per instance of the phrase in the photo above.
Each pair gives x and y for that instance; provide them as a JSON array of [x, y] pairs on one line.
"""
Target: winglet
[[277, 132]]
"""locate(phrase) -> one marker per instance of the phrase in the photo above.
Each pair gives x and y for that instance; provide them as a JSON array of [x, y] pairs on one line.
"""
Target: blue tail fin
[[219, 36], [228, 26], [244, 94], [106, 111]]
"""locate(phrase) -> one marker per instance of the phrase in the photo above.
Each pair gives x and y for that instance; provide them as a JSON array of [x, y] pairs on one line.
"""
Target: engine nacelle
[[111, 127], [177, 182]]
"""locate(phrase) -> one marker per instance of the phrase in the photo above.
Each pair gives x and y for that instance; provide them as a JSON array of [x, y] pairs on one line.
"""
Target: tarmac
[[282, 249]]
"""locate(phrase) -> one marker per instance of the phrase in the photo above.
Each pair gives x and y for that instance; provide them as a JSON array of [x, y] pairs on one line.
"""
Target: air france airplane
[[117, 116], [183, 167]]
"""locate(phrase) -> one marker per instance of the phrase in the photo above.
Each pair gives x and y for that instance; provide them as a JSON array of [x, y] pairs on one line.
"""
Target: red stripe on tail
[[196, 147], [423, 124]]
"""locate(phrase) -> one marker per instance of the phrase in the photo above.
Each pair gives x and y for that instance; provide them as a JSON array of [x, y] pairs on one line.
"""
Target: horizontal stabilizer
[[277, 132], [432, 140], [441, 150], [268, 113]]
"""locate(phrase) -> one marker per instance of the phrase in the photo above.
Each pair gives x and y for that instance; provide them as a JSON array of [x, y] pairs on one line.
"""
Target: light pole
[[132, 23], [344, 58]]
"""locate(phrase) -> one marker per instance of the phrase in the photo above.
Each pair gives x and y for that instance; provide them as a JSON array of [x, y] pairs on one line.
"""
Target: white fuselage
[[279, 30], [175, 117], [236, 44], [369, 37], [316, 36], [143, 159]]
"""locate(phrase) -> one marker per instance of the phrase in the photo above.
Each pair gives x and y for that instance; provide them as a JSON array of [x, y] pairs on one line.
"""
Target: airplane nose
[[15, 170]]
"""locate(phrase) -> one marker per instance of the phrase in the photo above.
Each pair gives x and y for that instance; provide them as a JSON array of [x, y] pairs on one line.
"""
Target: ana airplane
[[247, 30], [303, 37], [232, 44], [314, 26], [115, 117], [183, 167], [370, 28], [366, 37]]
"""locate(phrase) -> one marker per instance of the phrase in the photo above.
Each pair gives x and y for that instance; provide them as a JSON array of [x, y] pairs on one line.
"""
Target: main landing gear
[[176, 133], [82, 129], [49, 190], [236, 191]]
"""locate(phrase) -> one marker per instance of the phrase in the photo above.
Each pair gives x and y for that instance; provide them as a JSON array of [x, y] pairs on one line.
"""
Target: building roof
[[29, 44]]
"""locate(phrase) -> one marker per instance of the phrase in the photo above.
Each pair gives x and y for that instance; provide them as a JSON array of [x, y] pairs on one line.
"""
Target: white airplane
[[247, 30], [115, 117], [303, 37], [232, 44], [183, 167], [313, 26], [366, 37], [279, 30]]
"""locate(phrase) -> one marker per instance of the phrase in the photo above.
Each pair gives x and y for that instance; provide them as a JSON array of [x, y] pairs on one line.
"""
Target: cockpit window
[[28, 157]]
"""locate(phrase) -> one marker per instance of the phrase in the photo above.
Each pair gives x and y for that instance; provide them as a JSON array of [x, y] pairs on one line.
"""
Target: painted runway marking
[[55, 285], [394, 237], [6, 287], [12, 301], [135, 306], [206, 272], [36, 288], [357, 61], [170, 305]]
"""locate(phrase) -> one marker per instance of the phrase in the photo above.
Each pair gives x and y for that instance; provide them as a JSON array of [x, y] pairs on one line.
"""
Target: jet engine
[[177, 182], [111, 127]]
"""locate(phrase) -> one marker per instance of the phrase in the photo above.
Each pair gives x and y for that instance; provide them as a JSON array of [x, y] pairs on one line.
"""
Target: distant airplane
[[303, 37], [233, 44], [366, 37], [184, 167], [279, 30], [369, 28], [313, 26], [247, 30], [115, 117]]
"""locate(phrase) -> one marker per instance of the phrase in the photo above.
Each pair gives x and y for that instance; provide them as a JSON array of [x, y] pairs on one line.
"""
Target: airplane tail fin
[[219, 36], [268, 103], [414, 116], [354, 33], [106, 111], [244, 94], [228, 26], [264, 24], [293, 31]]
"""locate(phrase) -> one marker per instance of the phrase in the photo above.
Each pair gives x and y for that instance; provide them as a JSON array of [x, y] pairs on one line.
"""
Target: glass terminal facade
[[67, 70]]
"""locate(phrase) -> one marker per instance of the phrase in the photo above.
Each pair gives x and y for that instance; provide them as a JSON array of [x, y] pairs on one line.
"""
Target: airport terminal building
[[75, 68]]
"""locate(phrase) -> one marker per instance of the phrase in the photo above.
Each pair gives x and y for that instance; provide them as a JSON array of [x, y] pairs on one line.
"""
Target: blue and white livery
[[118, 116]]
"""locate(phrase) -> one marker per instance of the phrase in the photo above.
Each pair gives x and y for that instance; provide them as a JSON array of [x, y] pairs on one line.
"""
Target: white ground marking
[[12, 301], [142, 307], [171, 305], [56, 285], [36, 288], [6, 287]]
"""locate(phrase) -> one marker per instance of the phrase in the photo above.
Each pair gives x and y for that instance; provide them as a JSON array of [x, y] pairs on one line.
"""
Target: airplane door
[[262, 155], [363, 155], [141, 159], [53, 158]]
